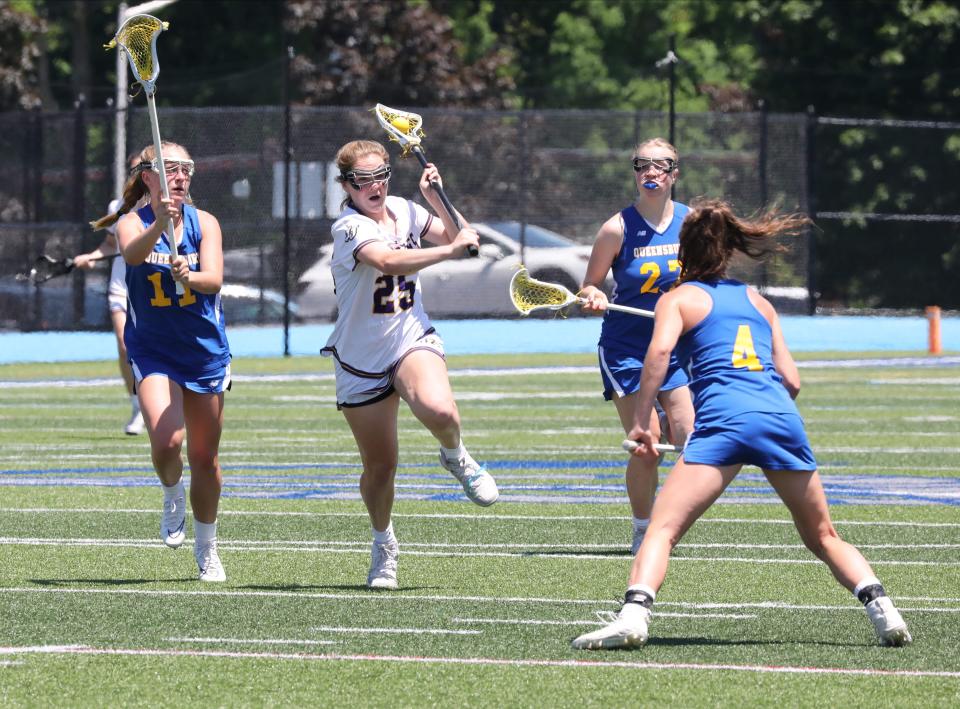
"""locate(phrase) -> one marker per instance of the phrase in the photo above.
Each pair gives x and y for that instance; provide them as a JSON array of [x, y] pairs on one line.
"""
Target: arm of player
[[208, 278], [107, 248], [445, 231], [667, 327], [401, 262], [136, 243], [605, 249], [782, 359]]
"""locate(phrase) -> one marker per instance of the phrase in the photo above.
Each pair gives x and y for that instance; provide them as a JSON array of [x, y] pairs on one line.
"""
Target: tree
[[354, 52], [20, 56]]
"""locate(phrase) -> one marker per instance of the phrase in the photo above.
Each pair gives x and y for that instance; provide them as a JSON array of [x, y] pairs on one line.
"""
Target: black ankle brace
[[640, 597], [871, 593]]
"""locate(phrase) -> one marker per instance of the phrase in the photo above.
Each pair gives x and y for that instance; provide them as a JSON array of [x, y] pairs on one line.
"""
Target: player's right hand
[[465, 238], [83, 261], [594, 299]]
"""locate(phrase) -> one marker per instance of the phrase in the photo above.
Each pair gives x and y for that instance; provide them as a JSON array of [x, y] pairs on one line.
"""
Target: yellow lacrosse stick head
[[137, 36], [528, 294]]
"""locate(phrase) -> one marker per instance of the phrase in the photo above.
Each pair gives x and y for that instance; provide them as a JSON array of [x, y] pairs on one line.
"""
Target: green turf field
[[96, 612]]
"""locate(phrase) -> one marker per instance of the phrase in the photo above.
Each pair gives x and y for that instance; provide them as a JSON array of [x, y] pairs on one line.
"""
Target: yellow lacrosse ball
[[401, 124]]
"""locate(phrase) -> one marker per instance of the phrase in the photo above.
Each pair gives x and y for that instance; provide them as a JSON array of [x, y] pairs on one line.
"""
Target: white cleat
[[135, 425], [208, 560], [383, 566], [887, 621], [626, 629], [173, 520], [479, 485]]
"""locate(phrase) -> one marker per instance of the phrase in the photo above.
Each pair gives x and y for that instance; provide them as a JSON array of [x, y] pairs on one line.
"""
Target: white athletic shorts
[[358, 388]]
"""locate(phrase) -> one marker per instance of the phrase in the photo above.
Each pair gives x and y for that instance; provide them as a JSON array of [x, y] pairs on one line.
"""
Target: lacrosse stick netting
[[137, 36], [529, 294], [402, 127], [406, 128]]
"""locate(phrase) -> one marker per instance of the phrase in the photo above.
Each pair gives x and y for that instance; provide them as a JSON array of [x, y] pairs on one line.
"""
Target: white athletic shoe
[[479, 485], [208, 560], [173, 520], [626, 629], [890, 626], [135, 425], [383, 566]]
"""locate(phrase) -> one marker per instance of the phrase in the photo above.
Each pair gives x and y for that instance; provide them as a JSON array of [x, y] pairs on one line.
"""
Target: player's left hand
[[646, 441]]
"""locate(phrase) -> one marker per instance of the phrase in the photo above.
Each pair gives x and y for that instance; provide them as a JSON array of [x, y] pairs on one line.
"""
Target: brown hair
[[349, 153], [134, 188], [711, 233]]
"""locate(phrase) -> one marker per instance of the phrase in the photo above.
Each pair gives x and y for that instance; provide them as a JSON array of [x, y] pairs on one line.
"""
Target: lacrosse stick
[[137, 36], [47, 267], [407, 129], [529, 294], [631, 446]]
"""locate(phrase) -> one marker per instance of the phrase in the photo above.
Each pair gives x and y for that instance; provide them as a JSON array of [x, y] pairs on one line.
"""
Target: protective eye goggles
[[666, 165], [172, 167], [359, 179]]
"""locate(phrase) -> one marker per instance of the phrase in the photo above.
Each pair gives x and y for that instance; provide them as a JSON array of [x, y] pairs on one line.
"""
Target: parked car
[[469, 287], [49, 306]]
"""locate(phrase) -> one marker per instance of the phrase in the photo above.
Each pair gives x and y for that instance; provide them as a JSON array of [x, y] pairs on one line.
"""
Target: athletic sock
[[869, 589], [640, 524], [173, 491], [455, 453], [384, 537], [134, 404], [204, 532], [640, 594]]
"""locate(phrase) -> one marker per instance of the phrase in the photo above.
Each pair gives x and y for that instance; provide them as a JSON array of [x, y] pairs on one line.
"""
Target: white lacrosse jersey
[[379, 316]]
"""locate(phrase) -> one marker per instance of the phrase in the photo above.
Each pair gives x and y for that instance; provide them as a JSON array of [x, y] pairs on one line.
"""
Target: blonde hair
[[351, 152], [660, 143], [134, 189]]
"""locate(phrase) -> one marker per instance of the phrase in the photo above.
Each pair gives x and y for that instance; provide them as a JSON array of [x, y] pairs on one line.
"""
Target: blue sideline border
[[561, 336]]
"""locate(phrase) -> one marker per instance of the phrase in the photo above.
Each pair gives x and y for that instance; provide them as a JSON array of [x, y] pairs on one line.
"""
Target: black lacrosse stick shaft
[[418, 151]]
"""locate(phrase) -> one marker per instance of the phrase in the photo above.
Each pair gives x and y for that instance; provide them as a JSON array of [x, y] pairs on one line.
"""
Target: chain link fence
[[562, 171]]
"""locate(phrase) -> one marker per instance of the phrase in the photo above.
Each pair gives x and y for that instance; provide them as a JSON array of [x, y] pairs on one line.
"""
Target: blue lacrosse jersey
[[646, 267], [729, 357], [187, 329]]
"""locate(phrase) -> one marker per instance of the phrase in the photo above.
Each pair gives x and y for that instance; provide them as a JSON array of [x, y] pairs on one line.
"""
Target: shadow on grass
[[331, 587], [106, 582]]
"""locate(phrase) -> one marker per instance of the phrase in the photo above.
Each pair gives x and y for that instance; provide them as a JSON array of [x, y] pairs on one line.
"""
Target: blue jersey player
[[639, 246], [744, 381], [176, 341]]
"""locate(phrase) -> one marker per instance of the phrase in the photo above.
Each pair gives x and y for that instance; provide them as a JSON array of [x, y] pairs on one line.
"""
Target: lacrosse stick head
[[528, 294], [46, 267], [402, 127], [137, 37]]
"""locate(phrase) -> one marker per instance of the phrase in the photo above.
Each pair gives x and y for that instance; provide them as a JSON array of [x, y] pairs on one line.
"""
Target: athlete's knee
[[818, 538]]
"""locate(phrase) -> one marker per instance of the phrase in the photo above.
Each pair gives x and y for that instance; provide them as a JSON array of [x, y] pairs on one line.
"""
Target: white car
[[469, 287]]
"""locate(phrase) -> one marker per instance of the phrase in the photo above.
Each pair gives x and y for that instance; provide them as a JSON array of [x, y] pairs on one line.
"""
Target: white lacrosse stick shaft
[[169, 227], [631, 446]]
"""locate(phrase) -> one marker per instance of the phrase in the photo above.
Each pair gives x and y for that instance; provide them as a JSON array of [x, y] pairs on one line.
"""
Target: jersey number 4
[[744, 354], [391, 294]]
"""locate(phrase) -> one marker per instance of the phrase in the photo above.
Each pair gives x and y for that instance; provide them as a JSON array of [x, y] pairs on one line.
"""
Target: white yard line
[[492, 661], [397, 597]]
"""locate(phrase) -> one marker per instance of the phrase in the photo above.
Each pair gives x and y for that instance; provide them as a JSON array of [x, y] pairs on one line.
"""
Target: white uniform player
[[383, 345], [381, 317]]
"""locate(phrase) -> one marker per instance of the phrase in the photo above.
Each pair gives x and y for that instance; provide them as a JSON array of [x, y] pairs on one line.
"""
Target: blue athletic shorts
[[620, 372], [216, 381], [768, 441]]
